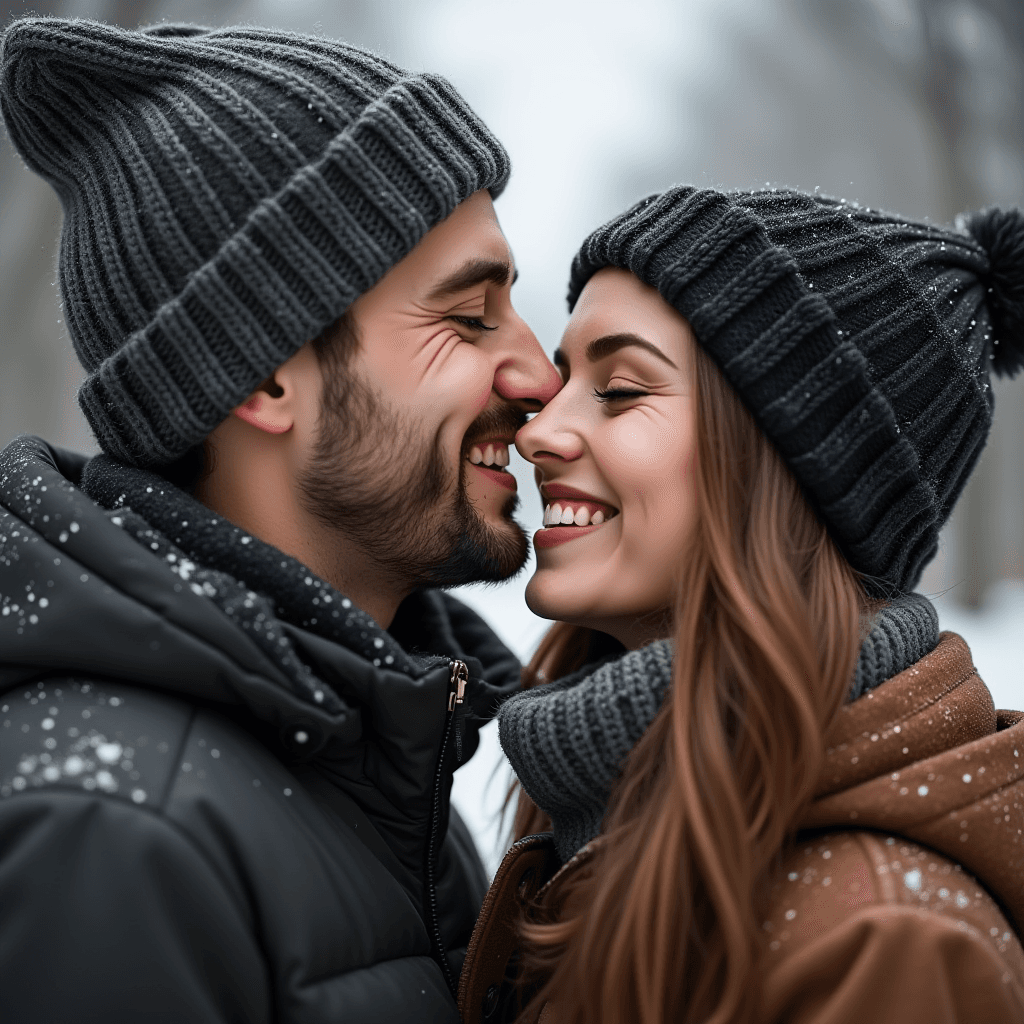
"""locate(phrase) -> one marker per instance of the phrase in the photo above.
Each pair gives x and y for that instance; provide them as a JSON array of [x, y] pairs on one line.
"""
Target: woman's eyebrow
[[601, 348], [470, 274]]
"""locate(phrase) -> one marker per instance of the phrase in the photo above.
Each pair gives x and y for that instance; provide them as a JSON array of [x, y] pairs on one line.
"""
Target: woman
[[776, 792]]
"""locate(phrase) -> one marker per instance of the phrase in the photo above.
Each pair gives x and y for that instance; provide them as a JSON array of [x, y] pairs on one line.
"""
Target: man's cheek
[[468, 380]]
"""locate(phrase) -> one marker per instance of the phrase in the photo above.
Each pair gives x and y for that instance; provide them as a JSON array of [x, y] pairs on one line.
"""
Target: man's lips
[[499, 476], [490, 456]]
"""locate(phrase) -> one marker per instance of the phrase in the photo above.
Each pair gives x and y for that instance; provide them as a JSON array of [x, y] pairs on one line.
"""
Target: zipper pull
[[460, 676]]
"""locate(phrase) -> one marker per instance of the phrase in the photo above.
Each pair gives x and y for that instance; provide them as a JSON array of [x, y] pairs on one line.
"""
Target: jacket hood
[[82, 596], [926, 756]]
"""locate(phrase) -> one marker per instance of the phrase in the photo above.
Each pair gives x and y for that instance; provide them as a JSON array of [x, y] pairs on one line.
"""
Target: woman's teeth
[[558, 515], [492, 455]]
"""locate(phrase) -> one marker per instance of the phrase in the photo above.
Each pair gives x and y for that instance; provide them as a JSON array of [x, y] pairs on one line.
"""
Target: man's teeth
[[556, 515], [492, 455]]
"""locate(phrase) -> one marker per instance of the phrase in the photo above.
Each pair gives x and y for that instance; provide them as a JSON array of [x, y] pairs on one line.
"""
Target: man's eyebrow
[[470, 274], [601, 348]]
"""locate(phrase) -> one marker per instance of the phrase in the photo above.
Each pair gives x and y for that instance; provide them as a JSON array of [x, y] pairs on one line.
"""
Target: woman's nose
[[549, 435]]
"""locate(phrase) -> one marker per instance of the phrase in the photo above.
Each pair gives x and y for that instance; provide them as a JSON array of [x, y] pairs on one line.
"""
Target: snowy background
[[911, 105]]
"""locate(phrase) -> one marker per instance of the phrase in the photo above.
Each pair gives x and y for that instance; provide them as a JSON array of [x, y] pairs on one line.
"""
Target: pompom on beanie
[[227, 194], [862, 343]]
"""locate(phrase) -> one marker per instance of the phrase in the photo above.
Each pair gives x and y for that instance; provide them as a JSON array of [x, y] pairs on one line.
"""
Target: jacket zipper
[[456, 695]]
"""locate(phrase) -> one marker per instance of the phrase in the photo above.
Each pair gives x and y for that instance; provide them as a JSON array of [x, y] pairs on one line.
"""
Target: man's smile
[[490, 453], [490, 458]]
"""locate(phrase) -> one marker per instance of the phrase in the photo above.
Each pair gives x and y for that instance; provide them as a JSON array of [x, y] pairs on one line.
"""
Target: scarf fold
[[567, 740]]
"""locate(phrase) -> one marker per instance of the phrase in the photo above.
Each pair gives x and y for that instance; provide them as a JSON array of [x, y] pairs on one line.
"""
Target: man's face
[[443, 376]]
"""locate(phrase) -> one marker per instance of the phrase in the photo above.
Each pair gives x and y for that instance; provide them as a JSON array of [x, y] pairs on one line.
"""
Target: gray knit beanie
[[861, 343], [227, 194]]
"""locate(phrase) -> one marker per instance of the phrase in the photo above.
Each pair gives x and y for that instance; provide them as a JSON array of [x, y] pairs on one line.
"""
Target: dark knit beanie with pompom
[[227, 194], [862, 343]]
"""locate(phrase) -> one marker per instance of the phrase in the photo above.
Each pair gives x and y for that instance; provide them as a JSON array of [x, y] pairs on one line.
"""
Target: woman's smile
[[569, 514]]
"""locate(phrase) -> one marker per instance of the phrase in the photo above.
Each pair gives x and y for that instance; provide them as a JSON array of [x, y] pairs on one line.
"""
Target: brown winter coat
[[902, 899]]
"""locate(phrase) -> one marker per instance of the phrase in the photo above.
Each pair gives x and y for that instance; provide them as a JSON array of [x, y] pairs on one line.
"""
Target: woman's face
[[614, 453]]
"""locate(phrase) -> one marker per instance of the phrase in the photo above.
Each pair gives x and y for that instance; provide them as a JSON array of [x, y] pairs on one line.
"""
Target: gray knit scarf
[[567, 740]]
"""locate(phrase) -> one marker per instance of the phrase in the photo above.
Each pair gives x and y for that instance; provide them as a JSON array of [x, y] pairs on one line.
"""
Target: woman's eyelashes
[[619, 394], [474, 323]]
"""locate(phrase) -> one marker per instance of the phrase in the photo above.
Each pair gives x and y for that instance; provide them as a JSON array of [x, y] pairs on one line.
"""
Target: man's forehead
[[466, 249]]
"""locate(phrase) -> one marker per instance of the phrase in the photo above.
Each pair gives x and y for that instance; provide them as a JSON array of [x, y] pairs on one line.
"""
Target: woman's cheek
[[634, 445]]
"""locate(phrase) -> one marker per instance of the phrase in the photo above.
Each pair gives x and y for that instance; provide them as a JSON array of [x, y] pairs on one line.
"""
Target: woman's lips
[[579, 505], [552, 536]]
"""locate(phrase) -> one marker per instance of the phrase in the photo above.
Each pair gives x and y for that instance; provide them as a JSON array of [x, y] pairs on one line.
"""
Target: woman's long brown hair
[[663, 923]]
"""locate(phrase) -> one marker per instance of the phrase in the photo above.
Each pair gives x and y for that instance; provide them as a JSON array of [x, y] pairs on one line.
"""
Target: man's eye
[[474, 323], [618, 394]]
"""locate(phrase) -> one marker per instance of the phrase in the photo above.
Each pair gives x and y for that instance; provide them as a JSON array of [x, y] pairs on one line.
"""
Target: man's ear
[[268, 408]]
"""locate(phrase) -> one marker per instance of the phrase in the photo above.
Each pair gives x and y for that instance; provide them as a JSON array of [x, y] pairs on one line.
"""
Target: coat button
[[490, 1001]]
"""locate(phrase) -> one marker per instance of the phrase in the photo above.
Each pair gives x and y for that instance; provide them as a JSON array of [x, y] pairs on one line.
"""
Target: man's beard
[[376, 478]]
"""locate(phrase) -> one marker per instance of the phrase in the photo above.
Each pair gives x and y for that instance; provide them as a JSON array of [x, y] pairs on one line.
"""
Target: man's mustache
[[499, 421]]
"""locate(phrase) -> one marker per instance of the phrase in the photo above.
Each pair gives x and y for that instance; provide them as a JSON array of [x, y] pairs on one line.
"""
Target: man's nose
[[525, 373]]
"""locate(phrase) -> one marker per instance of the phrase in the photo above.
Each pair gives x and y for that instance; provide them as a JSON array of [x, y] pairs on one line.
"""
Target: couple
[[756, 783]]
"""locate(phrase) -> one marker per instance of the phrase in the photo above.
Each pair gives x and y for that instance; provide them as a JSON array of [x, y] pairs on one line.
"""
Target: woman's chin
[[536, 598], [556, 594]]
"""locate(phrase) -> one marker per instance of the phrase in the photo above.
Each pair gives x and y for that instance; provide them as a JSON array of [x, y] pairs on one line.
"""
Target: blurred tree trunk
[[40, 374], [31, 351], [962, 61]]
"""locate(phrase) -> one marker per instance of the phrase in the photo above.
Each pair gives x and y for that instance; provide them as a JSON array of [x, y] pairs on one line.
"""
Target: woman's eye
[[474, 323], [618, 394]]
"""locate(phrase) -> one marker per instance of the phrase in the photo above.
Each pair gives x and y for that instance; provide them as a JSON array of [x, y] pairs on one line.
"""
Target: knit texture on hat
[[227, 194], [861, 343], [568, 740]]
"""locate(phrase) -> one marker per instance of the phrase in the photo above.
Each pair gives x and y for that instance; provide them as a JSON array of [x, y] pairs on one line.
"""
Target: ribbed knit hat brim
[[227, 195], [859, 343]]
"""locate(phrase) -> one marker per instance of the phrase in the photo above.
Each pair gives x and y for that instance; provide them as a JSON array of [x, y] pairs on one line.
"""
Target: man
[[231, 703]]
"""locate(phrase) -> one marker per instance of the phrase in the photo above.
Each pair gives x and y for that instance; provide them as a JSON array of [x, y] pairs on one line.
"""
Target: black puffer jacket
[[220, 801]]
